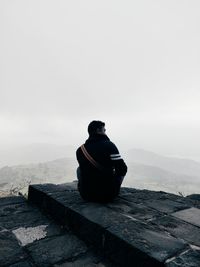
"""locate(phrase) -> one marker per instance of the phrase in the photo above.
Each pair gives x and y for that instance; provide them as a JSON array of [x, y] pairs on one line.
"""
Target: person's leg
[[78, 173], [120, 179], [118, 182], [79, 177]]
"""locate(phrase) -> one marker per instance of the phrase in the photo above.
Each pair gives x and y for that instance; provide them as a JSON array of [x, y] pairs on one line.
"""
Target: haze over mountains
[[34, 153], [172, 164], [43, 163]]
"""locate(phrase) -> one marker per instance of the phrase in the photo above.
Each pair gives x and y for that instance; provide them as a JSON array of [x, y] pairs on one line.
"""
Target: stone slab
[[56, 188], [137, 229], [69, 197], [15, 208], [57, 247], [50, 251], [180, 229], [166, 205], [195, 197], [22, 264], [26, 235], [90, 218], [190, 258], [10, 250], [139, 196], [25, 219], [125, 239], [11, 200], [137, 211], [145, 196], [191, 215], [24, 215], [87, 260], [148, 243]]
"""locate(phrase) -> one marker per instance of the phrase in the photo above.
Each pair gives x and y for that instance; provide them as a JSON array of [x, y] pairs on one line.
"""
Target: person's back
[[101, 168]]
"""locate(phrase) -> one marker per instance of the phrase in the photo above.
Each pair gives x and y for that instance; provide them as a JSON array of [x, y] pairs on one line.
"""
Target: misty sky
[[133, 64]]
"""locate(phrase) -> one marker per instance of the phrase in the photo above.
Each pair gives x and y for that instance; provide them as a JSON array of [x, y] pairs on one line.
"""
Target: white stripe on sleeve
[[116, 158], [114, 155]]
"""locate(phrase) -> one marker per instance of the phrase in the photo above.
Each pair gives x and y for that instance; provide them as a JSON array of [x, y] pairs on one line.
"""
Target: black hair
[[94, 125]]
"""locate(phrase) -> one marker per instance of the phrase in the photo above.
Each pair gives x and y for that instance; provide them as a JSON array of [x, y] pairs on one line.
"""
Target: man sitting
[[101, 169]]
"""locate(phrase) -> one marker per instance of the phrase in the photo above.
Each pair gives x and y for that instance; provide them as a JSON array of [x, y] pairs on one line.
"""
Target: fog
[[133, 64]]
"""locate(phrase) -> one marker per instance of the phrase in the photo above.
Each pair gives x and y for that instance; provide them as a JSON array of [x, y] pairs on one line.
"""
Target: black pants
[[102, 193]]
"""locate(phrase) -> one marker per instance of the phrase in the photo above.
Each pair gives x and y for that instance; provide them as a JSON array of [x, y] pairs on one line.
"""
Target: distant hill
[[34, 153], [64, 170], [172, 164], [56, 171], [145, 169], [153, 178]]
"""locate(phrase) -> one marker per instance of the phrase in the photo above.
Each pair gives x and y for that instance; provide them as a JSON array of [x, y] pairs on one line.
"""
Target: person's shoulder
[[111, 146]]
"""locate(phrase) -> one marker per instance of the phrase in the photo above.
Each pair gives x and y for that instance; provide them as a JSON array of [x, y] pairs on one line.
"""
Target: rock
[[22, 264], [190, 258], [139, 228], [50, 251], [191, 215], [11, 200], [10, 250], [186, 231]]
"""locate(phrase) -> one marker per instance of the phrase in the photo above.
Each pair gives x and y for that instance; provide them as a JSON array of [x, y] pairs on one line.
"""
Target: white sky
[[133, 64]]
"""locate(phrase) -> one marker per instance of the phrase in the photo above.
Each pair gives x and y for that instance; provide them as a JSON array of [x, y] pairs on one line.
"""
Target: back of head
[[94, 126]]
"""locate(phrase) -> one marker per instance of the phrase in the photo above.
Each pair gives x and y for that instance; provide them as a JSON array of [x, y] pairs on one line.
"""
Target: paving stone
[[10, 250], [166, 205], [149, 243], [56, 188], [137, 211], [12, 209], [50, 251], [90, 218], [98, 213], [195, 197], [27, 235], [127, 190], [180, 229], [141, 195], [87, 260], [120, 233], [22, 264], [26, 216], [191, 215], [11, 200], [53, 229], [190, 258], [25, 219], [69, 197]]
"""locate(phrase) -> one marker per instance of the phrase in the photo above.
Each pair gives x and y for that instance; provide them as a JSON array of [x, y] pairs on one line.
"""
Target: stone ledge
[[126, 231], [28, 238]]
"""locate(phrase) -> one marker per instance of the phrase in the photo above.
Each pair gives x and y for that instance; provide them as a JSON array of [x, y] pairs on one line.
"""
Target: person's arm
[[117, 161]]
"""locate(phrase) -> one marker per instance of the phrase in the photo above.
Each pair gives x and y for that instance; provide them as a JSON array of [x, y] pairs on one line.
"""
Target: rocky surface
[[140, 228], [30, 239]]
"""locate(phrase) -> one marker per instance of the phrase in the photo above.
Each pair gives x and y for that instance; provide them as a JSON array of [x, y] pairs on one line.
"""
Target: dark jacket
[[95, 184]]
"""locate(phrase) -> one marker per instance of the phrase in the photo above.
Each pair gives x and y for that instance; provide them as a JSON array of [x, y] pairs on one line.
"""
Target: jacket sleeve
[[117, 161]]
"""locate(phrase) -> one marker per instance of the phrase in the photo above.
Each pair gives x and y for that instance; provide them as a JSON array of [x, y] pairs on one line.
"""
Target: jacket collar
[[96, 138]]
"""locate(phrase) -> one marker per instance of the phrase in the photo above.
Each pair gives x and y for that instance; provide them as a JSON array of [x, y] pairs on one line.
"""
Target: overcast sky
[[133, 64]]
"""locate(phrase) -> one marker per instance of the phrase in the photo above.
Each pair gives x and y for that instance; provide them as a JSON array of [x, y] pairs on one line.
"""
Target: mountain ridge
[[64, 170]]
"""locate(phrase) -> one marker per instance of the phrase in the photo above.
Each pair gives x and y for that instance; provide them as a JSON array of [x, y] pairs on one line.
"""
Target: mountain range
[[145, 170]]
